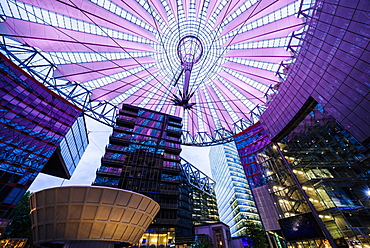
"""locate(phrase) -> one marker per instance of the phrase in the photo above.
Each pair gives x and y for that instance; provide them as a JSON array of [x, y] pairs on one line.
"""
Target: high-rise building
[[198, 191], [235, 202], [33, 122], [66, 157], [143, 155]]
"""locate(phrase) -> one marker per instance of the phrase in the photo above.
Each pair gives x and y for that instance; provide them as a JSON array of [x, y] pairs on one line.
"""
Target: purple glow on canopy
[[278, 29], [258, 10], [90, 12], [206, 113], [229, 7], [186, 4], [199, 5], [270, 54], [173, 6], [246, 90], [238, 107], [160, 9], [125, 37], [260, 75], [211, 8], [83, 72], [221, 111], [137, 10], [154, 101], [49, 38], [192, 121], [143, 92], [112, 90]]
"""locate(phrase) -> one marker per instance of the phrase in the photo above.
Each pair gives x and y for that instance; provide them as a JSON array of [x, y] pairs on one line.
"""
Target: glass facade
[[33, 121], [143, 155], [324, 171], [237, 208], [66, 157]]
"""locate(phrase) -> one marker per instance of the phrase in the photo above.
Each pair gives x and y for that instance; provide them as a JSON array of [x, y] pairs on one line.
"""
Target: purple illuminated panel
[[33, 121], [92, 13], [221, 112], [246, 90], [83, 72], [239, 108], [260, 9], [136, 9], [331, 68], [49, 38], [116, 88], [227, 9], [249, 143], [268, 31], [160, 10], [272, 54], [260, 75], [206, 113]]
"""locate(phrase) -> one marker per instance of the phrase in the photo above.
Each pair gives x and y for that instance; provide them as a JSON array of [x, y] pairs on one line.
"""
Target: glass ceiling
[[127, 52]]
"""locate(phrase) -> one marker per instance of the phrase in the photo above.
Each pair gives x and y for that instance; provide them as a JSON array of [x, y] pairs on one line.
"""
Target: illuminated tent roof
[[130, 52]]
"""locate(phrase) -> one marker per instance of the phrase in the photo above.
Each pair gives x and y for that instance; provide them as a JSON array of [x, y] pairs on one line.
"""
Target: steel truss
[[197, 178], [40, 66]]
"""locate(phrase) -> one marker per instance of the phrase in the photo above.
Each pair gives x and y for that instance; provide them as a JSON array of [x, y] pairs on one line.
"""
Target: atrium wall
[[319, 164], [33, 122], [331, 68]]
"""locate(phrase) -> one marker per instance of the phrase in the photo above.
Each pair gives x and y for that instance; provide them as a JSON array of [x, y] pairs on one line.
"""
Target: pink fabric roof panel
[[269, 54], [278, 29], [160, 9], [49, 38], [112, 90], [260, 75], [173, 6], [186, 5], [83, 72], [226, 10], [143, 92], [238, 107], [206, 112], [245, 89], [137, 10], [211, 8], [192, 121], [222, 113], [258, 10], [92, 13]]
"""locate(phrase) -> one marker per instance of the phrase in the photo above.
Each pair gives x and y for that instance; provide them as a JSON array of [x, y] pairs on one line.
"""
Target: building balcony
[[109, 171], [126, 119], [165, 221], [168, 206], [123, 139], [169, 192]]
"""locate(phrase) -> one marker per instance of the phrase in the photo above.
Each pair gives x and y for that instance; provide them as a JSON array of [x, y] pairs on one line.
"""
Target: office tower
[[143, 156], [234, 198], [66, 157], [200, 191], [33, 122]]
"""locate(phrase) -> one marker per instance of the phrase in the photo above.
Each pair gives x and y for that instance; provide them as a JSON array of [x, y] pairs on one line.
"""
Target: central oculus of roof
[[189, 50], [211, 63]]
